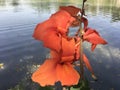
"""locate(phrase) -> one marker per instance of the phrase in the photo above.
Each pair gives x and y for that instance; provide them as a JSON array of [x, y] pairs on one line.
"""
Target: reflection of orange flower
[[55, 69]]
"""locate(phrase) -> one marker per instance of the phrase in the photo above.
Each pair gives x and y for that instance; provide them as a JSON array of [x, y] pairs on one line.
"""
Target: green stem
[[68, 88], [81, 54], [81, 47]]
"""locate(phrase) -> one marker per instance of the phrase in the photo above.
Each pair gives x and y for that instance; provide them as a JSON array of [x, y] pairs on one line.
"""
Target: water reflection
[[95, 7], [115, 14], [2, 2], [19, 51], [15, 2], [108, 8], [43, 7], [7, 4], [106, 62]]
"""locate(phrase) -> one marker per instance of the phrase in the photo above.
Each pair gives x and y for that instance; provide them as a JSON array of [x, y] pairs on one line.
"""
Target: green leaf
[[45, 88], [82, 85], [74, 88]]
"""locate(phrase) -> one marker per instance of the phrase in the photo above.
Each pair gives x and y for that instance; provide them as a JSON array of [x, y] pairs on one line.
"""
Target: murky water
[[19, 51]]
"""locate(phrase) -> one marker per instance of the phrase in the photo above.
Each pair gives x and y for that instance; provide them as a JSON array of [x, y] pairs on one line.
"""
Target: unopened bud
[[94, 77]]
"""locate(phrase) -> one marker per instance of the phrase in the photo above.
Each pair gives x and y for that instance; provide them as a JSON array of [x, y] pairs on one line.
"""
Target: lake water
[[19, 52]]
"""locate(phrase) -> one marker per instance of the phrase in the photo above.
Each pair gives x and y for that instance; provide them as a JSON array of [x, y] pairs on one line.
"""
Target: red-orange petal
[[72, 10], [41, 28], [77, 48], [87, 63], [54, 55], [67, 75], [46, 73], [67, 59], [52, 40], [61, 59], [93, 46], [52, 71], [63, 20], [93, 37], [68, 47]]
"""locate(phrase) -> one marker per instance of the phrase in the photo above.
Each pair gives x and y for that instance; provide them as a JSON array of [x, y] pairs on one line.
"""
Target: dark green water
[[19, 52]]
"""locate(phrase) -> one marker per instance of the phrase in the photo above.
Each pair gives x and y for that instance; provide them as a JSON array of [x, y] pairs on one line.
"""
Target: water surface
[[19, 51]]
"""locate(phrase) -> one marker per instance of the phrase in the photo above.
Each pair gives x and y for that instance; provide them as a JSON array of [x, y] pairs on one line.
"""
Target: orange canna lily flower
[[64, 49], [93, 37], [53, 70]]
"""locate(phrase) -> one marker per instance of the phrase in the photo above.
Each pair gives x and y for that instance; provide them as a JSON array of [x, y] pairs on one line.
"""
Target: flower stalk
[[81, 40]]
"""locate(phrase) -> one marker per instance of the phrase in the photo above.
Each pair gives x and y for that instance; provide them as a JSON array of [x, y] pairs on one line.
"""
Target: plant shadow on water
[[20, 54]]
